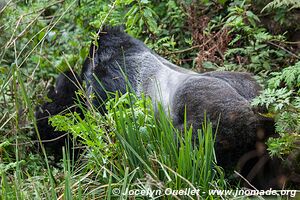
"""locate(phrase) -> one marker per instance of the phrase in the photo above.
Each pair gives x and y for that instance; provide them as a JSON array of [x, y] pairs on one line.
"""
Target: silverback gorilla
[[224, 94], [221, 95]]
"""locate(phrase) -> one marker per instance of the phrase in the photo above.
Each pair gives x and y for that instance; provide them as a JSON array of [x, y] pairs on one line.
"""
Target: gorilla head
[[62, 99]]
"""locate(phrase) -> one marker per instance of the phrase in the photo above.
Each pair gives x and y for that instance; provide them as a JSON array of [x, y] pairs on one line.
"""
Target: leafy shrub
[[131, 136], [282, 99], [39, 39], [252, 48]]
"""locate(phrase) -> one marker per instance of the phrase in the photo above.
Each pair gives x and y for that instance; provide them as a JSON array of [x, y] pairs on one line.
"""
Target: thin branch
[[3, 8], [43, 141], [196, 46], [245, 180], [284, 49]]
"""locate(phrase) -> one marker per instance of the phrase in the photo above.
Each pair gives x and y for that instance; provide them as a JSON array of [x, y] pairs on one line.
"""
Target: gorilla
[[62, 99], [119, 60], [225, 97]]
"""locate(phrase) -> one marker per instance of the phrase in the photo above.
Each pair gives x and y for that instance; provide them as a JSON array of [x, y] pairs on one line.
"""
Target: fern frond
[[282, 3]]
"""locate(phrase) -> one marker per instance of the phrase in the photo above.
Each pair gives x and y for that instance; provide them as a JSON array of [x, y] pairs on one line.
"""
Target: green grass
[[128, 148]]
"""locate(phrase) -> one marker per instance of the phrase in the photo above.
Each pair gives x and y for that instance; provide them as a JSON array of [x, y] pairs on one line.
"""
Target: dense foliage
[[40, 39]]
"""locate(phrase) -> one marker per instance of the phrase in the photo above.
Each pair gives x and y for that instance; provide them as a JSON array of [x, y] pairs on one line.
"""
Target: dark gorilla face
[[63, 99]]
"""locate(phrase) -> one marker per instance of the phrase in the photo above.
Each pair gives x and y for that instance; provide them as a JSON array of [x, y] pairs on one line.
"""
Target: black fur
[[225, 94], [63, 99], [217, 93]]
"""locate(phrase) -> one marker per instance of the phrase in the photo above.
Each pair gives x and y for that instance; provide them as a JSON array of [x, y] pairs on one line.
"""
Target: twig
[[43, 141], [284, 49], [289, 42], [196, 46], [23, 32], [109, 12], [51, 27], [184, 50], [5, 6], [245, 179], [177, 174], [40, 11]]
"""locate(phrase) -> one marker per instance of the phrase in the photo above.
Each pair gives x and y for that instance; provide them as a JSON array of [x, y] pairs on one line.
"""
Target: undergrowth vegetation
[[130, 147]]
